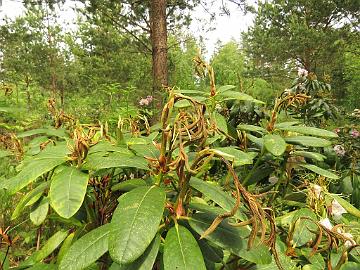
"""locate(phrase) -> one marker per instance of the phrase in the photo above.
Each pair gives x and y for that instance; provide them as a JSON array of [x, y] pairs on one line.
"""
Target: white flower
[[317, 190], [339, 150], [273, 180], [326, 223], [351, 242], [302, 72], [337, 210]]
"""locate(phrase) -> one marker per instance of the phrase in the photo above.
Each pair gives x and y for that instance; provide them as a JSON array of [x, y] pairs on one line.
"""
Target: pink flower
[[337, 130], [302, 72], [145, 101], [339, 150], [354, 133]]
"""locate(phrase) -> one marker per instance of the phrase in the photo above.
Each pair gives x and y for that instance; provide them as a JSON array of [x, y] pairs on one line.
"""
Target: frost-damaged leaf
[[320, 171], [145, 261], [275, 144], [87, 250], [310, 131], [181, 251], [115, 160], [38, 215], [67, 191], [135, 223], [308, 141], [35, 167]]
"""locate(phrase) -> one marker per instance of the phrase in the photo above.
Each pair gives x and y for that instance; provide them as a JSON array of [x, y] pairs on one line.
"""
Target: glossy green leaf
[[48, 131], [308, 141], [87, 250], [346, 205], [50, 245], [228, 95], [221, 122], [135, 223], [148, 150], [105, 146], [115, 160], [275, 144], [216, 194], [39, 190], [35, 167], [303, 227], [251, 128], [286, 124], [65, 247], [320, 171], [311, 131], [237, 156], [129, 184], [43, 266], [311, 155], [181, 251], [38, 215], [145, 261], [210, 252], [231, 238], [67, 191], [350, 266]]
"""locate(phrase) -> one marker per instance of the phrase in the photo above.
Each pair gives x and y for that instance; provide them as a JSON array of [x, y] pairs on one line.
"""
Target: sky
[[226, 27]]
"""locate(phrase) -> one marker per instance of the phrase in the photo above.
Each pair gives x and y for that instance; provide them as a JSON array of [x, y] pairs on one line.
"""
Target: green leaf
[[303, 227], [43, 266], [311, 155], [216, 194], [220, 122], [237, 156], [286, 124], [346, 205], [210, 252], [65, 247], [115, 160], [225, 88], [129, 185], [105, 146], [230, 238], [181, 250], [308, 141], [275, 144], [145, 261], [38, 215], [48, 131], [87, 250], [228, 95], [51, 244], [251, 128], [320, 171], [37, 166], [67, 191], [310, 131], [147, 150], [350, 266], [25, 201], [135, 223], [4, 153]]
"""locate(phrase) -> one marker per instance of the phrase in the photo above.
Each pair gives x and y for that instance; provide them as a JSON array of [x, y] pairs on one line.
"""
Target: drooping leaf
[[303, 220], [310, 131], [311, 155], [237, 156], [135, 223], [50, 245], [114, 160], [129, 184], [251, 128], [275, 144], [320, 171], [231, 238], [87, 250], [67, 191], [28, 197], [35, 167], [308, 141], [216, 194], [38, 215], [145, 261], [346, 205], [181, 250]]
